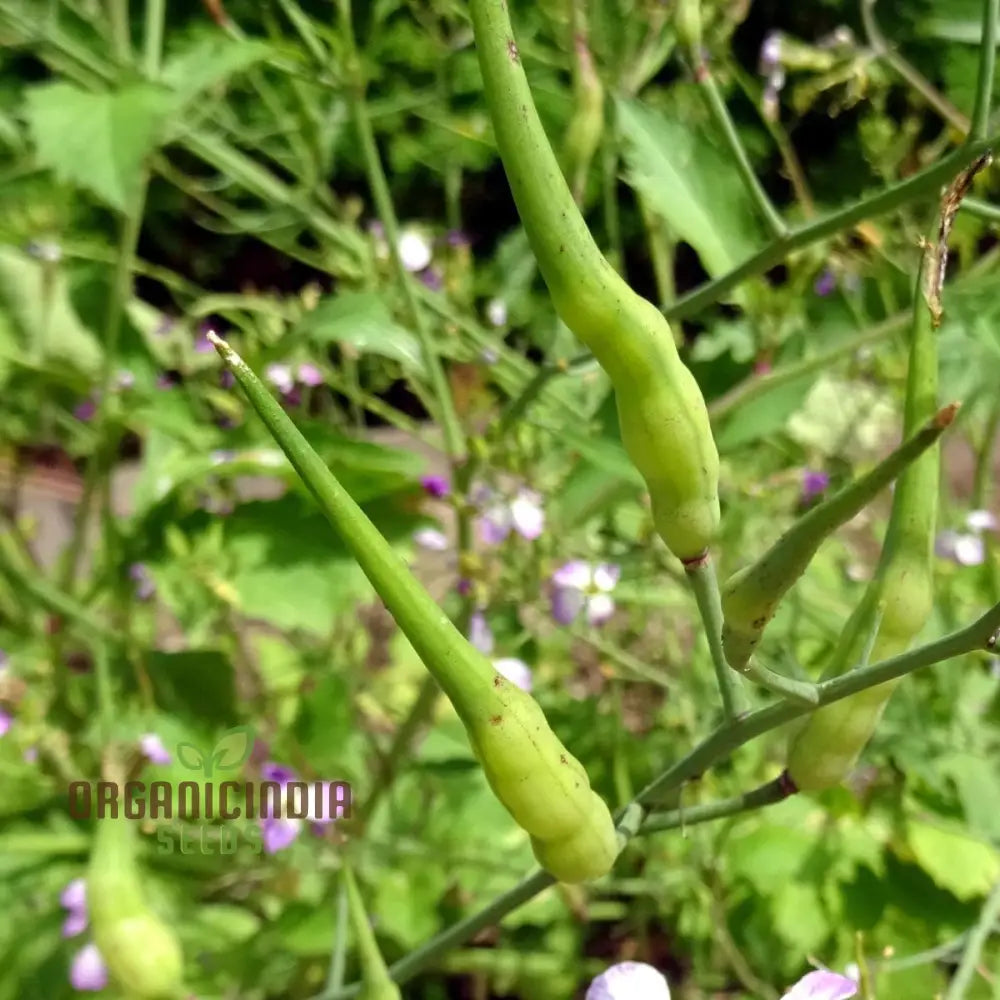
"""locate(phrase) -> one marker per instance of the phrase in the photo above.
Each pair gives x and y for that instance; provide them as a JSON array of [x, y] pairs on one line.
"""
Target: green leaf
[[98, 141], [210, 61], [689, 182], [763, 415], [196, 684], [965, 866], [44, 320], [361, 320], [799, 916]]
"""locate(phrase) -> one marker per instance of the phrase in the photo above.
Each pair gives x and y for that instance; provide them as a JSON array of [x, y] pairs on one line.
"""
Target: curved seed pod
[[899, 599], [376, 983], [141, 952], [665, 425], [751, 596], [583, 134], [542, 786]]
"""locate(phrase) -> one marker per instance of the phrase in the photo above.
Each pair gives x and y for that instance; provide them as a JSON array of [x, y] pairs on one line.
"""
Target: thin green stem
[[983, 480], [987, 65], [921, 184], [156, 11], [99, 460], [802, 692], [454, 438], [718, 110], [962, 979], [981, 209], [121, 38], [705, 585], [774, 791], [884, 51]]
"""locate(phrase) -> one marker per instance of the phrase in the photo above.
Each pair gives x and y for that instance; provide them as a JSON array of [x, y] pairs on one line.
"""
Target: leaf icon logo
[[231, 751]]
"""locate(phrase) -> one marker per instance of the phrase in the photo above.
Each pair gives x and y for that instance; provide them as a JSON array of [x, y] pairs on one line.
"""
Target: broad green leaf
[[98, 141], [42, 316], [764, 415], [799, 916], [361, 320], [964, 865], [689, 182]]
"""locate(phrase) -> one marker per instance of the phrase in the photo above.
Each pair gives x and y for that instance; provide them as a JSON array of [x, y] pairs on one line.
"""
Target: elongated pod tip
[[231, 358], [946, 415]]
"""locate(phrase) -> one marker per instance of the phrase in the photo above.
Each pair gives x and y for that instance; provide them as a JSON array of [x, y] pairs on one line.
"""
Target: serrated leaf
[[690, 183], [361, 320], [98, 141]]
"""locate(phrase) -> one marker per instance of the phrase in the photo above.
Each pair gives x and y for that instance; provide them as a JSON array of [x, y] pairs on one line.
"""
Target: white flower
[[578, 585], [431, 538], [981, 520], [280, 376], [496, 312], [629, 981], [516, 671], [966, 550], [414, 250]]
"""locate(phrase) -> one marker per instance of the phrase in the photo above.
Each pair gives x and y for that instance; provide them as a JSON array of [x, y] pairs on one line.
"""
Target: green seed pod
[[583, 134], [687, 24], [899, 599], [542, 786], [751, 596], [141, 952], [665, 425], [376, 983]]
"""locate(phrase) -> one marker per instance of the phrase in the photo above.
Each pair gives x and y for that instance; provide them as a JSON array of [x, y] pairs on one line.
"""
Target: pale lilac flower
[[280, 831], [579, 586], [221, 456], [6, 721], [516, 671], [489, 356], [814, 482], [431, 538], [496, 312], [480, 633], [46, 250], [309, 374], [30, 755], [966, 550], [280, 376], [629, 981], [74, 899], [981, 520], [457, 238], [522, 513], [415, 250], [144, 585], [770, 53], [88, 971], [153, 749], [822, 985], [825, 283], [432, 278], [436, 486], [202, 344]]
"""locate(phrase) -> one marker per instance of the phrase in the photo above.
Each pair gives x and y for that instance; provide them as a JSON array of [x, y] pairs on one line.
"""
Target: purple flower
[[6, 721], [309, 374], [463, 587], [516, 671], [279, 831], [814, 482], [144, 585], [480, 633], [85, 410], [74, 899], [822, 985], [457, 238], [629, 981], [432, 278], [825, 283], [153, 749], [436, 486], [579, 586], [523, 513], [88, 971], [432, 539]]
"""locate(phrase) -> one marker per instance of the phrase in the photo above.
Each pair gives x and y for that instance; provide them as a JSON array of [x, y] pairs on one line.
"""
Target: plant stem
[[774, 791], [121, 41], [153, 41], [717, 108], [987, 65], [705, 584], [884, 51], [717, 745], [454, 439], [925, 182], [962, 979], [981, 209]]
